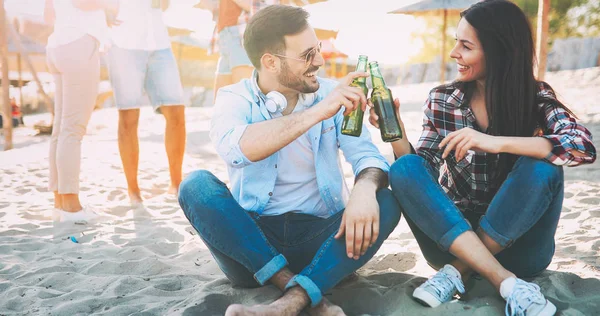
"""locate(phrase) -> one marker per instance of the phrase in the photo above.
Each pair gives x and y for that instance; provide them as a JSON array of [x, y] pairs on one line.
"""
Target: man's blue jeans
[[522, 216], [250, 249]]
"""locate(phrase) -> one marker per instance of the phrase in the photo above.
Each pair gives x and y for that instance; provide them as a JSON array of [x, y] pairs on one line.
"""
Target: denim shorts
[[141, 77], [231, 50]]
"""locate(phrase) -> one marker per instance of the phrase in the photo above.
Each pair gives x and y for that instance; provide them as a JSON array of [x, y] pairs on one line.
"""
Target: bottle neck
[[376, 77], [361, 67]]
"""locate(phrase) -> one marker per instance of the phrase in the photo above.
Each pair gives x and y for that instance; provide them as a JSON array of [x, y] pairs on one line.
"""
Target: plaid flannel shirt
[[468, 182]]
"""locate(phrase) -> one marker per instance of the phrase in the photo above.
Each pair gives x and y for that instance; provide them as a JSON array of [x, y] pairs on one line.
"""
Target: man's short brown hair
[[266, 30]]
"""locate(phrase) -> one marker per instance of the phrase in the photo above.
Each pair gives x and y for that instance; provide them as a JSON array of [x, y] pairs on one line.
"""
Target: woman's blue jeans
[[250, 249], [522, 216]]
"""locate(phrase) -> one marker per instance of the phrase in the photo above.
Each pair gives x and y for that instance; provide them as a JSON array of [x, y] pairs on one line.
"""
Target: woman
[[499, 139], [73, 59], [234, 64]]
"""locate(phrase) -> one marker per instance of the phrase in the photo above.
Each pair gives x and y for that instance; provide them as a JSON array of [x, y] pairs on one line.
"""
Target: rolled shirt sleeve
[[567, 136], [229, 122]]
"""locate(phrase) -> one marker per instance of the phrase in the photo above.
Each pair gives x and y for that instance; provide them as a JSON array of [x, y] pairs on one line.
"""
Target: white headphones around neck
[[276, 101]]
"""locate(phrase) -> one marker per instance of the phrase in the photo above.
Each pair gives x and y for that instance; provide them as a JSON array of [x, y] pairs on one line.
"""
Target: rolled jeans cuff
[[502, 240], [314, 293], [268, 270], [446, 241]]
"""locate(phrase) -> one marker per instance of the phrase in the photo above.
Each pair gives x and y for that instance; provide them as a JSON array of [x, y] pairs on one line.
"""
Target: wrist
[[401, 147], [313, 115], [503, 144], [365, 187]]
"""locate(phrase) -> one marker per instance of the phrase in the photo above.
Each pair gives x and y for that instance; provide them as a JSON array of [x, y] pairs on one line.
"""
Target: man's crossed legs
[[296, 252]]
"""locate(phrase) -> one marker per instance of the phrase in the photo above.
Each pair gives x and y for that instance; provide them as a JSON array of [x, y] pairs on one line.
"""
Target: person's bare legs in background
[[175, 138], [175, 143], [129, 149], [241, 72], [221, 80], [237, 74]]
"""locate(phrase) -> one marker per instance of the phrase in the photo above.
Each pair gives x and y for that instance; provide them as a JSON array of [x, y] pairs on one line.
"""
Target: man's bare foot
[[258, 310], [326, 308], [290, 304], [135, 198]]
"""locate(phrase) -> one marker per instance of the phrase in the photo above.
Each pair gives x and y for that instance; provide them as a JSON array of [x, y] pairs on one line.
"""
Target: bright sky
[[364, 26]]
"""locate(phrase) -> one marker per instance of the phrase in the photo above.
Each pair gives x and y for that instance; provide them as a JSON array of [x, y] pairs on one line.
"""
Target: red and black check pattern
[[469, 182]]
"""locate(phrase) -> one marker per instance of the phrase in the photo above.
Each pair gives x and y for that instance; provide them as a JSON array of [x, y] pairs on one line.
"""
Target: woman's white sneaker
[[85, 216], [440, 288], [525, 299]]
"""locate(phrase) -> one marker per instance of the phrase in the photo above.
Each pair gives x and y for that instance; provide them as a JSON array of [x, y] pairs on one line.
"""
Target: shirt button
[[270, 193]]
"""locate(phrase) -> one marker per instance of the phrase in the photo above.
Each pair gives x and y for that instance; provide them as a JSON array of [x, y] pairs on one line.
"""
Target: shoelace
[[444, 283], [522, 297]]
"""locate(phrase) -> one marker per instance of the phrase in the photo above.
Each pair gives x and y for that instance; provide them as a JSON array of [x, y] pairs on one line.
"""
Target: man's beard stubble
[[292, 81]]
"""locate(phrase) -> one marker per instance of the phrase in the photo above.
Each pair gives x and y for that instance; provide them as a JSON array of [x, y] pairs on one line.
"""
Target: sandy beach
[[150, 261]]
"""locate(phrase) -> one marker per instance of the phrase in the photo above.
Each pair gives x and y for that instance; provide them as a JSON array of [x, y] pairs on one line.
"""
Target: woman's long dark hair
[[511, 87]]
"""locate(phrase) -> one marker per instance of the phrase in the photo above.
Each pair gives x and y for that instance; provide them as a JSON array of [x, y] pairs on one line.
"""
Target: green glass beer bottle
[[353, 122], [383, 102]]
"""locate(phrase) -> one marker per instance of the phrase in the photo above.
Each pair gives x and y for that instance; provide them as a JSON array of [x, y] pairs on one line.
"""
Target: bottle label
[[351, 123]]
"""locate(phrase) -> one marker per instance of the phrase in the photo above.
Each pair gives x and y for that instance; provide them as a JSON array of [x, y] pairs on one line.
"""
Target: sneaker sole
[[549, 309], [425, 298]]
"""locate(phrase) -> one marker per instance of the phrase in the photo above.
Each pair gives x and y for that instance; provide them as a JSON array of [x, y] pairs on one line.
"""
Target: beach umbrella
[[324, 34], [331, 53], [437, 7], [328, 50], [30, 46]]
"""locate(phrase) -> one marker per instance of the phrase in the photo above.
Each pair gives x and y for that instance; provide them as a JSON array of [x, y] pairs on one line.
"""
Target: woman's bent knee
[[405, 170], [540, 170]]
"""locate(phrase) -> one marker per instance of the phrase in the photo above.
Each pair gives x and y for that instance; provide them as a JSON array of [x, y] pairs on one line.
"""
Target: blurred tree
[[588, 18], [568, 18], [429, 36]]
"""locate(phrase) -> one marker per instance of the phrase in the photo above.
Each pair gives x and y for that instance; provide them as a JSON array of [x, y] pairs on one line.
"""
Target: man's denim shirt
[[252, 182]]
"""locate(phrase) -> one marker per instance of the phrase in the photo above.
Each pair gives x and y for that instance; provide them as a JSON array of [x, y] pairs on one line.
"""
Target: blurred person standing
[[142, 63], [73, 59], [234, 65]]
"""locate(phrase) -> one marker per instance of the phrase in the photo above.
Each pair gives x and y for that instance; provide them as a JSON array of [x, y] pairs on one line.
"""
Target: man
[[288, 209], [141, 62]]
